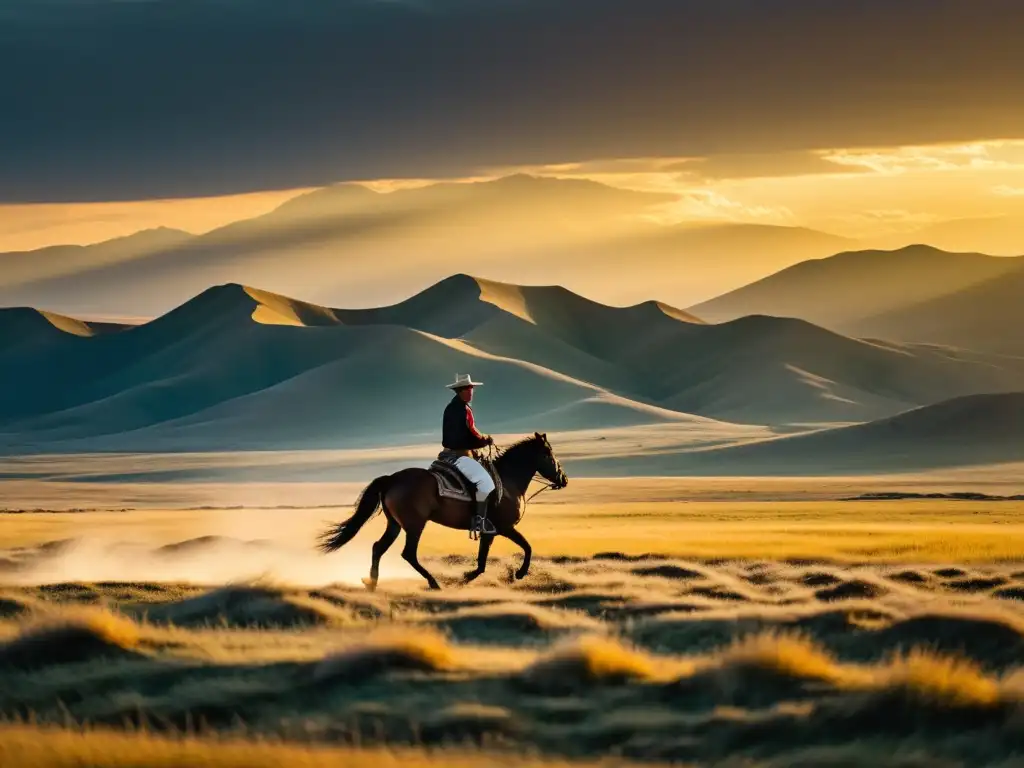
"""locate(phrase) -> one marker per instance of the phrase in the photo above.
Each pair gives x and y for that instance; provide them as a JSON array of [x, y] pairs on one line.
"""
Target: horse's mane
[[511, 451]]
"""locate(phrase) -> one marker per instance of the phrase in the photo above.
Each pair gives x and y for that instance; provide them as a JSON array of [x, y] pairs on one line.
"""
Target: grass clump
[[588, 661], [420, 650], [70, 637], [784, 655], [939, 680], [249, 607]]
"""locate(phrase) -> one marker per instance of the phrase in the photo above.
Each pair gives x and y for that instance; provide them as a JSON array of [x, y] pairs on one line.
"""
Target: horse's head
[[548, 466]]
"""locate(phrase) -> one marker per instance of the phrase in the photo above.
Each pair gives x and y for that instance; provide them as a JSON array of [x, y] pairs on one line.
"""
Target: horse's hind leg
[[481, 559], [517, 538], [412, 542], [382, 545]]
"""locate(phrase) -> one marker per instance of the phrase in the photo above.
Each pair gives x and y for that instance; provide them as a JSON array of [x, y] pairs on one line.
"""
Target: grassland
[[59, 748], [831, 529], [645, 658], [652, 630]]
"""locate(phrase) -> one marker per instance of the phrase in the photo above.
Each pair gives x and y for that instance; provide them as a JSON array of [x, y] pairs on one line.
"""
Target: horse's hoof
[[520, 575], [370, 584], [434, 587], [469, 576]]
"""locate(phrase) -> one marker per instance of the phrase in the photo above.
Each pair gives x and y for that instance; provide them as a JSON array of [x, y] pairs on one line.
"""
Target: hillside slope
[[975, 430], [845, 290], [238, 367], [241, 367], [762, 370], [987, 316]]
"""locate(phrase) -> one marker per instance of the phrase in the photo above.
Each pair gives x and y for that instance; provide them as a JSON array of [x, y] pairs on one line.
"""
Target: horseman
[[461, 441]]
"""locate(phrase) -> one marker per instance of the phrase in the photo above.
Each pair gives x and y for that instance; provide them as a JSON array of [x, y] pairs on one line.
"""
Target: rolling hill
[[238, 367], [26, 326], [331, 246], [987, 315], [756, 369], [998, 235], [915, 294], [974, 430], [843, 290]]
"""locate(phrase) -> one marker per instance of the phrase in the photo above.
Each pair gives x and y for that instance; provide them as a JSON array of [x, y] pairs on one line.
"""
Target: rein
[[547, 486]]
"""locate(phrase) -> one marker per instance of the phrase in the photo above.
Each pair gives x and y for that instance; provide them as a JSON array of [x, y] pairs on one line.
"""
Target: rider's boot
[[481, 523]]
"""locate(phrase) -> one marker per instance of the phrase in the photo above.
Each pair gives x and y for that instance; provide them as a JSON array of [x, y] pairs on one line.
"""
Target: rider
[[461, 438]]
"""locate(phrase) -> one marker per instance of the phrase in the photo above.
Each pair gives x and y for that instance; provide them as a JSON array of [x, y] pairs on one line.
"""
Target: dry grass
[[788, 655], [921, 675], [593, 660], [55, 748], [423, 649], [255, 606], [69, 636], [941, 680], [757, 665], [882, 531]]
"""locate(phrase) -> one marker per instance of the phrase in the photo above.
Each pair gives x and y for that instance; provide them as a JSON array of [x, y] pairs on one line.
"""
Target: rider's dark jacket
[[458, 431]]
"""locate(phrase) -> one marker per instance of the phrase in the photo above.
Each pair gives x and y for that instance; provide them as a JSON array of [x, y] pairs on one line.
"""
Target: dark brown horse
[[410, 500]]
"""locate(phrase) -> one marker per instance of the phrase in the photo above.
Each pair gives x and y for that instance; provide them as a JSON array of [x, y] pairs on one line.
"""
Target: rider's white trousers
[[476, 474]]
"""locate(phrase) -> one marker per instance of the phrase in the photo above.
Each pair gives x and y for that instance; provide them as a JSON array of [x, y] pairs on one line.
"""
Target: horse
[[410, 499]]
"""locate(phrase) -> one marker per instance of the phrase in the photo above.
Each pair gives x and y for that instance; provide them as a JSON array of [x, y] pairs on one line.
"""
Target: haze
[[906, 129]]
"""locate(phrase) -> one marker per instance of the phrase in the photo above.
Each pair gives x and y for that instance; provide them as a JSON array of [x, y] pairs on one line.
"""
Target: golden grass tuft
[[589, 660], [942, 680], [112, 627], [250, 606], [70, 636], [421, 649], [788, 655], [57, 748], [918, 675]]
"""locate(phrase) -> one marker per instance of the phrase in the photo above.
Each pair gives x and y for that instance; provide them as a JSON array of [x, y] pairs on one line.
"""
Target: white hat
[[464, 380]]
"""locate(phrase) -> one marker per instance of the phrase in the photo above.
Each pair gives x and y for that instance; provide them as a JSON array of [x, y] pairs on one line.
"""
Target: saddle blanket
[[452, 484]]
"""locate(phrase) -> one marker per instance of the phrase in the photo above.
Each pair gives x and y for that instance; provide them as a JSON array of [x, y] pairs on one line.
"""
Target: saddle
[[452, 484]]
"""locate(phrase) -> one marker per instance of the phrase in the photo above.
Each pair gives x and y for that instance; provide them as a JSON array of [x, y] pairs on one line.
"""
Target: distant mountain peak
[[674, 312], [26, 321], [912, 250]]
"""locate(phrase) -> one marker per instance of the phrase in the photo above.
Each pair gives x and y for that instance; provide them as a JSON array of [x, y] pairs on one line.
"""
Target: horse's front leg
[[517, 538], [481, 559]]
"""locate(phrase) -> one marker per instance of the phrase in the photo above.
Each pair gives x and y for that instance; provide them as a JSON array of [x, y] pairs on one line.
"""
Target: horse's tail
[[369, 502]]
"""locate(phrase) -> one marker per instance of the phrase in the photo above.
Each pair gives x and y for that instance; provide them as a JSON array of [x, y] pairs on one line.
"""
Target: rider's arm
[[473, 430]]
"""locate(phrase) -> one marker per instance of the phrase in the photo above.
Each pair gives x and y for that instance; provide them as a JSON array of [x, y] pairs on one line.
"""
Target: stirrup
[[481, 526]]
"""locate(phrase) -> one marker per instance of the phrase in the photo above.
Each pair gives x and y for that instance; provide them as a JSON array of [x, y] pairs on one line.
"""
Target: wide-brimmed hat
[[463, 380]]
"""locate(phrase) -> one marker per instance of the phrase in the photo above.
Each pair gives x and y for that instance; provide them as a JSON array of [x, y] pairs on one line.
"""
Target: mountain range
[[238, 367], [812, 356], [348, 245], [917, 293]]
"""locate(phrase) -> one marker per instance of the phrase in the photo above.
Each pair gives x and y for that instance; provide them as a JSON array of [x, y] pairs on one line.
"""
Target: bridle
[[546, 485]]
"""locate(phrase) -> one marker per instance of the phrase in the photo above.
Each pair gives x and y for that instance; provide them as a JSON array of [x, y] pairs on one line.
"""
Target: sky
[[865, 119]]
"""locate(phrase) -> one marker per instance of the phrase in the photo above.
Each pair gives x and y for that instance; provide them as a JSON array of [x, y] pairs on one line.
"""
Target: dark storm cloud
[[121, 100]]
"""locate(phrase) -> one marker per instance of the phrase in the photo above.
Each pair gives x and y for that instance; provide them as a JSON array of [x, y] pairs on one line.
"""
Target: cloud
[[975, 156], [710, 205], [1004, 190], [762, 166], [171, 98]]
